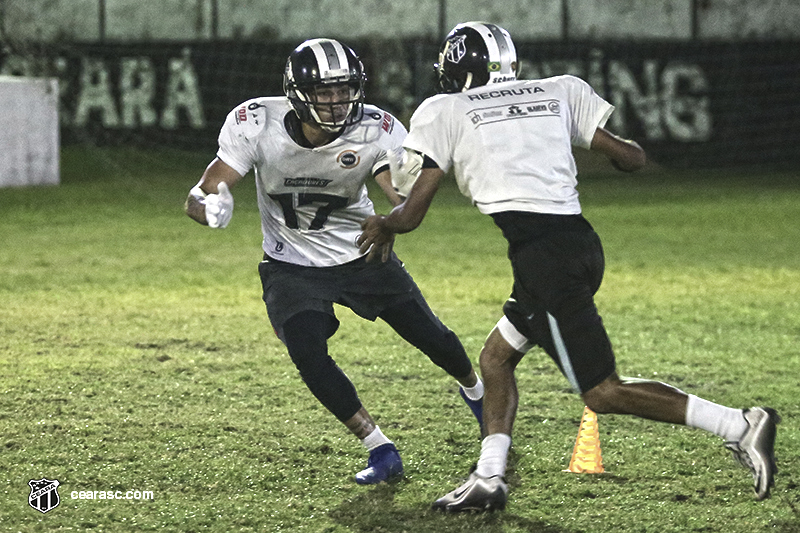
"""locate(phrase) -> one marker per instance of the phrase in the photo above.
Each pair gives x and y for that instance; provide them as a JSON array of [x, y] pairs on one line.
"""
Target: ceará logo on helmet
[[456, 49]]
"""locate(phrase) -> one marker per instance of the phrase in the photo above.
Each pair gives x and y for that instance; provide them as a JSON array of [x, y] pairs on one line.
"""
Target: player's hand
[[375, 238], [219, 207]]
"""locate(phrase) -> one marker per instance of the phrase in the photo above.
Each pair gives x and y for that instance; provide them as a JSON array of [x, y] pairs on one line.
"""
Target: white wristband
[[198, 193], [405, 166]]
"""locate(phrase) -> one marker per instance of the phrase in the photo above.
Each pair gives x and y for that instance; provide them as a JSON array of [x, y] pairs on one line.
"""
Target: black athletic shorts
[[558, 266], [366, 288]]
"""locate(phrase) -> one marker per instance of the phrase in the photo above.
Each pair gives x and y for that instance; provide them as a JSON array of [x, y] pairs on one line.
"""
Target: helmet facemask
[[332, 106]]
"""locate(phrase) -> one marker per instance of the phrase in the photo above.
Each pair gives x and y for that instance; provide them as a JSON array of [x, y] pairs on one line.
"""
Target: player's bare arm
[[624, 154], [217, 172], [379, 230], [408, 215], [384, 180]]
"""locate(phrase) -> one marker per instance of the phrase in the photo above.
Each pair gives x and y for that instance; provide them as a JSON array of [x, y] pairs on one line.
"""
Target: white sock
[[724, 421], [475, 392], [494, 452], [375, 439]]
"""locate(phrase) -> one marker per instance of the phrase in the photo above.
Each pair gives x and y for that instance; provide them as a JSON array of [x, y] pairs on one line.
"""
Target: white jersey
[[312, 200], [510, 143]]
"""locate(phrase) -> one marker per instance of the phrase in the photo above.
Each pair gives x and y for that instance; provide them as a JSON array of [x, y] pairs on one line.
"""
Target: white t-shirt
[[312, 200], [510, 144]]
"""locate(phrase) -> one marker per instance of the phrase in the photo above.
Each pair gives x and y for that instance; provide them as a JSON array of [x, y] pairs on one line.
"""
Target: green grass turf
[[135, 354]]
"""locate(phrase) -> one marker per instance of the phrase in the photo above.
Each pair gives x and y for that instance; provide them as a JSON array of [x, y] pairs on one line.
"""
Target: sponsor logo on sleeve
[[388, 123], [241, 115]]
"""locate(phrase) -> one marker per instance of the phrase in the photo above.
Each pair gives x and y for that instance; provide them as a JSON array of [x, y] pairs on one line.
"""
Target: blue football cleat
[[384, 464]]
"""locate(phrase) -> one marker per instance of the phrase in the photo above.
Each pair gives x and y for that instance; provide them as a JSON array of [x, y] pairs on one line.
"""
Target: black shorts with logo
[[558, 266], [368, 288]]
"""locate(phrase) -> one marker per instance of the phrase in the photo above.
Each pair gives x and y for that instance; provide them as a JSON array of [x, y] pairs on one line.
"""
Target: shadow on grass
[[377, 511], [791, 500]]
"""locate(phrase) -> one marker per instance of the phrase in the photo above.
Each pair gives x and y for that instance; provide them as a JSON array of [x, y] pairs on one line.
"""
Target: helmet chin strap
[[468, 82], [330, 127]]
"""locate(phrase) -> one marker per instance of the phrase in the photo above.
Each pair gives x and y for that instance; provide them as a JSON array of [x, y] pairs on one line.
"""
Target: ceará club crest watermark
[[44, 494]]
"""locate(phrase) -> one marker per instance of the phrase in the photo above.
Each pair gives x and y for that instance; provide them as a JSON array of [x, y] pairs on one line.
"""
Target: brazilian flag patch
[[493, 66]]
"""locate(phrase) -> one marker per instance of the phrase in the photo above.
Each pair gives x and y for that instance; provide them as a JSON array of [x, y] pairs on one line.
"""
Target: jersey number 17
[[290, 201]]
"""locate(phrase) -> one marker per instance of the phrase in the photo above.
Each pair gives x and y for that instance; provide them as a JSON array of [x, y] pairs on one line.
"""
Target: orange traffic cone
[[586, 457]]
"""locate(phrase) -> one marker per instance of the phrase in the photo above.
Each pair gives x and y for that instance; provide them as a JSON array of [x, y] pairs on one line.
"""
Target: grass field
[[135, 354]]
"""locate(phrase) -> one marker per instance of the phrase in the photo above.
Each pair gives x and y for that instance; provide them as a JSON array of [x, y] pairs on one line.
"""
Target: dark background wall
[[697, 82]]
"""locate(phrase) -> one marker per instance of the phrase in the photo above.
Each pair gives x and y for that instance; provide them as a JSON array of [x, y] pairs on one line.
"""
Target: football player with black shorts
[[510, 143], [312, 152]]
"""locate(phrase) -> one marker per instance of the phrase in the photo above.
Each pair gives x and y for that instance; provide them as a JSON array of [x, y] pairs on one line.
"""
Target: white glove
[[405, 166], [219, 207]]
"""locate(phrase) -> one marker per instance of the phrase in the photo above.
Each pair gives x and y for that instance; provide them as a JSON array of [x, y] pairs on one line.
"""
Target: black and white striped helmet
[[475, 54], [318, 63]]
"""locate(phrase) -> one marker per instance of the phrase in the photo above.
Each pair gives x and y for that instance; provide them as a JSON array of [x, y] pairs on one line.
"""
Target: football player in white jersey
[[510, 144], [312, 152]]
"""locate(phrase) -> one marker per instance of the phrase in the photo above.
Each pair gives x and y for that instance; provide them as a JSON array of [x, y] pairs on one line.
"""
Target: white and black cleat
[[756, 449], [478, 493]]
